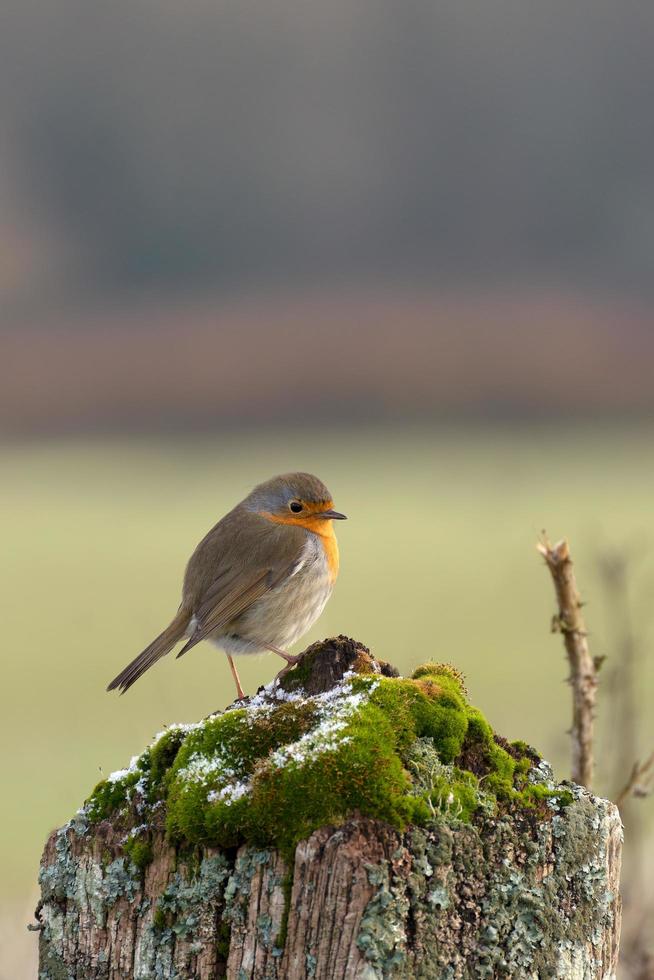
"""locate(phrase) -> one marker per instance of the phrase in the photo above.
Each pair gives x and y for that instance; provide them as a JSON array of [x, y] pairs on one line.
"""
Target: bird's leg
[[289, 658], [237, 679]]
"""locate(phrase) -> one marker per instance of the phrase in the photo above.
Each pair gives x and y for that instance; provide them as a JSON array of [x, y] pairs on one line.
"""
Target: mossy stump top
[[342, 822]]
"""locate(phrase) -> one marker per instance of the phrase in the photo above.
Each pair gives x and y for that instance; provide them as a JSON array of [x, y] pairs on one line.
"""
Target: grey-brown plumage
[[258, 580]]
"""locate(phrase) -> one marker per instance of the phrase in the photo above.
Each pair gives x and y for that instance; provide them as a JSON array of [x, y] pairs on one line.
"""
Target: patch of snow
[[336, 708], [176, 727], [115, 777], [142, 786], [273, 693], [200, 768], [230, 793]]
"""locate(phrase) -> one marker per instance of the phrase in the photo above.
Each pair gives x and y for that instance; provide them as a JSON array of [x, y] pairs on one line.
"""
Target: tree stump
[[346, 823]]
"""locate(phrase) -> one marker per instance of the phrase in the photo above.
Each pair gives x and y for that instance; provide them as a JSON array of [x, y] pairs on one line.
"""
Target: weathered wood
[[513, 893], [367, 901]]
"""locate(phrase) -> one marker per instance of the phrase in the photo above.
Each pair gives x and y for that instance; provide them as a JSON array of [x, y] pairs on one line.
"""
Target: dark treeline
[[182, 144]]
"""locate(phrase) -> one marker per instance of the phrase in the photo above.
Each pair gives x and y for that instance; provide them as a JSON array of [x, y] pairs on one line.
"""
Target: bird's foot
[[290, 663]]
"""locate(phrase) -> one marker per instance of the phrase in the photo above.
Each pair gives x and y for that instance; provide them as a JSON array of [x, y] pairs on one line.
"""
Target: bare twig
[[640, 783], [583, 670]]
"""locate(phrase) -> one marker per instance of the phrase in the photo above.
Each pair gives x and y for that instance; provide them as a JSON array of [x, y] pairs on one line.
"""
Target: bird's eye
[[295, 506]]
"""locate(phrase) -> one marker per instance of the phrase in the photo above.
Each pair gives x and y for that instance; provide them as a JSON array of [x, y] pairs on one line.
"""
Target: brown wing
[[239, 561]]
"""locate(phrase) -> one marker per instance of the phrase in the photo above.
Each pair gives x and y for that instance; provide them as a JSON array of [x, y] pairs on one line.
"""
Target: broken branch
[[583, 671]]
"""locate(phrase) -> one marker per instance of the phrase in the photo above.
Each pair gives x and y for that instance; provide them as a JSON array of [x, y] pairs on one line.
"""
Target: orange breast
[[318, 526], [329, 543]]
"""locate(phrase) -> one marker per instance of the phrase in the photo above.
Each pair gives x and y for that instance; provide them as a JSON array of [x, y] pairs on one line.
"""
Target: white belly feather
[[287, 612]]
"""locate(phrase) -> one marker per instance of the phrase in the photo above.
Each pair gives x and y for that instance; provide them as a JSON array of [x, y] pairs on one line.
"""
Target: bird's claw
[[290, 663]]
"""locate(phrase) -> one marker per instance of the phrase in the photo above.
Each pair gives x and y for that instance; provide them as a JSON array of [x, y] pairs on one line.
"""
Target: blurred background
[[409, 247]]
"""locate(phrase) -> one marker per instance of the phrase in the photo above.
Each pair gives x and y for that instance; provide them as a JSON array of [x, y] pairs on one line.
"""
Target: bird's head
[[295, 498]]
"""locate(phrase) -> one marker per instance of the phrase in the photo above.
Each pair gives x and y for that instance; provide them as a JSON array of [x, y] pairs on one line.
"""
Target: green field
[[437, 561]]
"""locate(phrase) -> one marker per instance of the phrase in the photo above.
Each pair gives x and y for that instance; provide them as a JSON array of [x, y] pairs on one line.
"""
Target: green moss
[[110, 796], [148, 772], [523, 749], [432, 669], [290, 795], [224, 940], [429, 706], [139, 852], [159, 918], [162, 756], [503, 774], [444, 789], [242, 738], [223, 752], [364, 773], [564, 798], [407, 751]]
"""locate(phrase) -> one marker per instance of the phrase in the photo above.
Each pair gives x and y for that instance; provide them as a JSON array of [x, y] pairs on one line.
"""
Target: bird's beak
[[332, 515]]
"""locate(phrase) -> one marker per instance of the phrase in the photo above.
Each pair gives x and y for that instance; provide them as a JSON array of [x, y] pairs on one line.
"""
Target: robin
[[258, 580]]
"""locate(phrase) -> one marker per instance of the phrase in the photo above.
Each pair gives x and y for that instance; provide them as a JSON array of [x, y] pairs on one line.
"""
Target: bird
[[258, 580]]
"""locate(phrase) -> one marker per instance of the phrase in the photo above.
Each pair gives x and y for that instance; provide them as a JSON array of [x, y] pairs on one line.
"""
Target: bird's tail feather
[[155, 651]]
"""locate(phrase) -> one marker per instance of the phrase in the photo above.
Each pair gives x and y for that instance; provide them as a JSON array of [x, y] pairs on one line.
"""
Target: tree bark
[[505, 899]]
